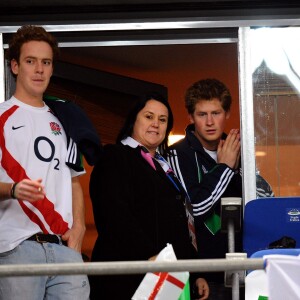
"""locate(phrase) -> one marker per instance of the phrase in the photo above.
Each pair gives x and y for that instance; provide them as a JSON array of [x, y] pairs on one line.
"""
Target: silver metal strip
[[146, 42], [2, 77], [149, 42], [246, 115], [170, 24]]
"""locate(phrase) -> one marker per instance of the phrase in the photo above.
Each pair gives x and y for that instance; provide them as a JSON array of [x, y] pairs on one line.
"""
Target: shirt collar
[[129, 141]]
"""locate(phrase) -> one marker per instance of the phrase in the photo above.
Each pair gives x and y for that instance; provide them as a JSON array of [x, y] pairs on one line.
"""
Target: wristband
[[12, 190]]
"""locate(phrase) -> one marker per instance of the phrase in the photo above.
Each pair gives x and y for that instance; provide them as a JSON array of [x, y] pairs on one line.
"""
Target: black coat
[[137, 211], [206, 183], [79, 128]]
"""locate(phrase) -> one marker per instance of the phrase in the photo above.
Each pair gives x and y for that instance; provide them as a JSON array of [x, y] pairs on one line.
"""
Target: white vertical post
[[2, 75], [246, 112]]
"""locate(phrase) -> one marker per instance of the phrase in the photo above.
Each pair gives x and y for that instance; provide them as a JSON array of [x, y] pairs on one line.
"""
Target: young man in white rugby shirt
[[42, 205]]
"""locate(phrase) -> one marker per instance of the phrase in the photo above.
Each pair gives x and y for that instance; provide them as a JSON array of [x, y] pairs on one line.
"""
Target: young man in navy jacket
[[207, 161]]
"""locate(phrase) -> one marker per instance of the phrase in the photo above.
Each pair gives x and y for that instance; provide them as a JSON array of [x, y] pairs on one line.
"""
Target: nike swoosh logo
[[14, 128]]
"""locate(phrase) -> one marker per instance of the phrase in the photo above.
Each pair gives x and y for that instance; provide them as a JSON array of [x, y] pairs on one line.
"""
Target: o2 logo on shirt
[[41, 156]]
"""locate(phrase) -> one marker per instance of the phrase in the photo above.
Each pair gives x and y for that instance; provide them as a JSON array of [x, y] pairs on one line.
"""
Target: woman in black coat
[[138, 205]]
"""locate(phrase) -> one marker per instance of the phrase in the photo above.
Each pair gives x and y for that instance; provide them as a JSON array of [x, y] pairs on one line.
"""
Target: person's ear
[[227, 114], [14, 66], [191, 119]]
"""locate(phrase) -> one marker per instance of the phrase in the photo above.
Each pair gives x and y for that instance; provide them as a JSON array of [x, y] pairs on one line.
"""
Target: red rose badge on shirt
[[55, 128]]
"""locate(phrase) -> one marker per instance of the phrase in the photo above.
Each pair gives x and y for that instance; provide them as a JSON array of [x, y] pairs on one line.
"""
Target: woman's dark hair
[[127, 129]]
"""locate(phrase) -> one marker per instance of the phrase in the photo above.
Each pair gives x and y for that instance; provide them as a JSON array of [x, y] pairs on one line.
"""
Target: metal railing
[[132, 267], [234, 265]]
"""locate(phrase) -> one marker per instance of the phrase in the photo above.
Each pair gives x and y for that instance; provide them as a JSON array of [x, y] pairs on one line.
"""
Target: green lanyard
[[213, 222]]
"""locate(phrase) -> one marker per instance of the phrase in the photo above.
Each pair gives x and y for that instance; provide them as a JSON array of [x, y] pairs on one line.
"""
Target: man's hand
[[29, 190], [74, 237], [229, 150]]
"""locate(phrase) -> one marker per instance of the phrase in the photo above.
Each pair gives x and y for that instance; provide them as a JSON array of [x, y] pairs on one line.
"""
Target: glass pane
[[275, 56]]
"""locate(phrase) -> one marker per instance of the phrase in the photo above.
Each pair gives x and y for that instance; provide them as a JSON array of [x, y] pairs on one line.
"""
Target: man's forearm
[[78, 226]]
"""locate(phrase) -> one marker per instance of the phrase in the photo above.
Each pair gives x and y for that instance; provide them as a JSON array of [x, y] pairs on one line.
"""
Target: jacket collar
[[192, 139]]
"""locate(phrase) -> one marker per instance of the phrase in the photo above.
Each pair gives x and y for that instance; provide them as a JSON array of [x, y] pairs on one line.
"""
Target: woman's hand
[[202, 288], [152, 258]]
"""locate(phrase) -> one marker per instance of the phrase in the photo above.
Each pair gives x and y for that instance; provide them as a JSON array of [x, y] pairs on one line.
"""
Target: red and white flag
[[164, 285]]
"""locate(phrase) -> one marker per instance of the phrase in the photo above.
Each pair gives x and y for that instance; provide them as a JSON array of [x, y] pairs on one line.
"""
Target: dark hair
[[26, 34], [207, 89], [127, 129]]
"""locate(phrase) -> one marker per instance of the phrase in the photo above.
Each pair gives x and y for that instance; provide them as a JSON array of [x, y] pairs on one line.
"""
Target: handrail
[[131, 267]]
